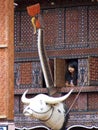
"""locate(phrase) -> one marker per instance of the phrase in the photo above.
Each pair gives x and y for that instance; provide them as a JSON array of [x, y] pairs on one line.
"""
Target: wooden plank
[[7, 60], [59, 72], [3, 46]]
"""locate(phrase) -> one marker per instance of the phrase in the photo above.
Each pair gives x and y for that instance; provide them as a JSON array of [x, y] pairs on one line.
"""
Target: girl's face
[[71, 69]]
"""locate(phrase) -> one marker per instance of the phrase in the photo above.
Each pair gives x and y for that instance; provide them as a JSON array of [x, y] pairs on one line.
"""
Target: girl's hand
[[72, 85]]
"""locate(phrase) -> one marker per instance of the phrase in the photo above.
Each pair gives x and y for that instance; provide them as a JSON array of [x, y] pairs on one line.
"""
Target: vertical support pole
[[7, 63]]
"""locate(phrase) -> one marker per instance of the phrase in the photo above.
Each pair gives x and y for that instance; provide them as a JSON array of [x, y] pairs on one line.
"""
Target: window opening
[[71, 72]]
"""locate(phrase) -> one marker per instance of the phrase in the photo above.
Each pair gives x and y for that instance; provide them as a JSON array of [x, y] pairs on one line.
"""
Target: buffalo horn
[[55, 100], [24, 99]]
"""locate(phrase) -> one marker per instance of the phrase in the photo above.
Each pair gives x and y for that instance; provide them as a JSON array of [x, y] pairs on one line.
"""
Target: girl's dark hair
[[68, 76], [74, 65]]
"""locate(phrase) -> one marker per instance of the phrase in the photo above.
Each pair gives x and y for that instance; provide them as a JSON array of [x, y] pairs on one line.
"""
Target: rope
[[75, 98]]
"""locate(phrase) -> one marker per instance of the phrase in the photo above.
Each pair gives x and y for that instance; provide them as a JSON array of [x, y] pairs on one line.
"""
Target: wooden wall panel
[[59, 72], [93, 24], [93, 71], [83, 72], [76, 26], [28, 75], [7, 60], [3, 83], [54, 28], [92, 101]]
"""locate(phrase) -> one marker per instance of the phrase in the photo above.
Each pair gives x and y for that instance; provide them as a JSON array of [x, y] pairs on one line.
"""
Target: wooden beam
[[3, 46]]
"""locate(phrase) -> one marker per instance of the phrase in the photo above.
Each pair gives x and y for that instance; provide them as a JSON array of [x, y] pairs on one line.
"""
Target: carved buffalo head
[[40, 104], [48, 109]]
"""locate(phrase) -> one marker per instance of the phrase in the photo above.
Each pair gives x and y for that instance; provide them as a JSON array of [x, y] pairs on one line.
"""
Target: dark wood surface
[[22, 4]]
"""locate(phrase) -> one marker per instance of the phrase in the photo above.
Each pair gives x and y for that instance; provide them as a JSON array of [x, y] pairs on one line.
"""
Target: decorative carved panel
[[76, 27], [36, 75], [92, 101], [54, 28], [93, 71], [25, 40], [83, 72], [28, 75], [93, 26]]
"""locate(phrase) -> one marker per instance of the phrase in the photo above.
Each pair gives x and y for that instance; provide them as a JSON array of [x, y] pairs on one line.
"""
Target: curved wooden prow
[[33, 11], [45, 64]]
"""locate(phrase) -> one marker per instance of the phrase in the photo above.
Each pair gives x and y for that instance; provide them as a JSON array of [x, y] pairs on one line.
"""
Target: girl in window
[[71, 75]]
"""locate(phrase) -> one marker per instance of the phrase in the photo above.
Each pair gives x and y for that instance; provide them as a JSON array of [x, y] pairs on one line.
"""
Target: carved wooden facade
[[70, 33]]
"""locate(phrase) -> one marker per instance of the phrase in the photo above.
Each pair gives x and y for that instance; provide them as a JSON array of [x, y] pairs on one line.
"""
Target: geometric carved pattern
[[26, 31], [72, 15], [86, 119], [76, 27], [65, 28], [83, 32], [88, 71], [17, 104], [17, 27], [27, 75], [93, 101], [82, 72], [50, 23], [93, 68], [23, 31], [54, 27], [93, 25], [80, 104], [69, 102], [16, 75], [36, 75]]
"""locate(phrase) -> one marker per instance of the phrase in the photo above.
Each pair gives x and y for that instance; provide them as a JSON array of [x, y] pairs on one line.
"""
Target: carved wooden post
[[7, 63]]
